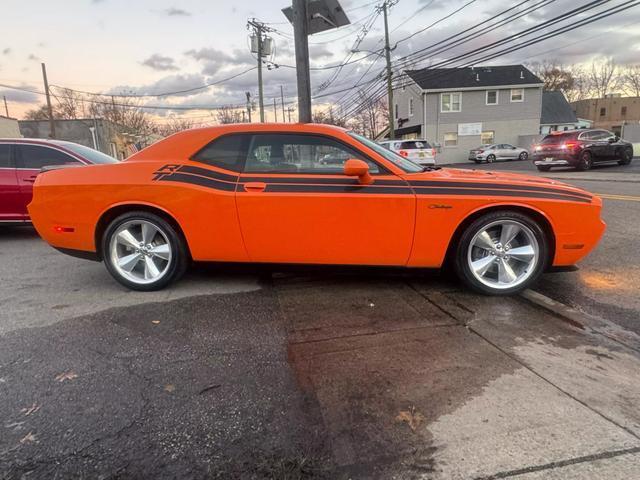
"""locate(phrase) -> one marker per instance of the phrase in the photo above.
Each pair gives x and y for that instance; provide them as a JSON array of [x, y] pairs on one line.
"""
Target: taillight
[[404, 153], [433, 152], [570, 145]]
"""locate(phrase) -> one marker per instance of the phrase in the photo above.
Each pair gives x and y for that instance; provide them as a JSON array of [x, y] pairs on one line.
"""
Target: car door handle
[[255, 186]]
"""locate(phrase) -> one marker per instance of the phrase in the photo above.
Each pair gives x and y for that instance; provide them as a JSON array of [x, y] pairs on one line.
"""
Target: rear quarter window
[[228, 152]]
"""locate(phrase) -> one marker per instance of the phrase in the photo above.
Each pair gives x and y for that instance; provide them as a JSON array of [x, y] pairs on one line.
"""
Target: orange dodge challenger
[[309, 194]]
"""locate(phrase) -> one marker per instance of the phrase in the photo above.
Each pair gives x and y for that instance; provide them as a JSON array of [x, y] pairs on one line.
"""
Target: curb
[[585, 321]]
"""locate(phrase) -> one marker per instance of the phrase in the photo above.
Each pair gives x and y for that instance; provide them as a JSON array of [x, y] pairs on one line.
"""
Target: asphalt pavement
[[320, 374]]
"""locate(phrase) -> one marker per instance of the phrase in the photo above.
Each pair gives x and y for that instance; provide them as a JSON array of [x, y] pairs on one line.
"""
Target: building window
[[603, 111], [411, 107], [450, 139], [395, 110], [517, 94], [492, 97], [450, 102], [623, 111], [487, 137]]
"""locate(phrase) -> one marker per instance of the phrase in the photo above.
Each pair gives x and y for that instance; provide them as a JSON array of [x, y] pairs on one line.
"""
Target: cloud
[[213, 60], [177, 12], [6, 51], [170, 83], [19, 96], [160, 62], [33, 58]]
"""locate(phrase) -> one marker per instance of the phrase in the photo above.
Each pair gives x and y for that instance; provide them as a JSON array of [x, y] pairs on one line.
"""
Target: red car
[[22, 159]]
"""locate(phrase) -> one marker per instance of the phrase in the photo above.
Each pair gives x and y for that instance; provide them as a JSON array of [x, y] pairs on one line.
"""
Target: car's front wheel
[[143, 251], [491, 158], [523, 156], [501, 253], [626, 156]]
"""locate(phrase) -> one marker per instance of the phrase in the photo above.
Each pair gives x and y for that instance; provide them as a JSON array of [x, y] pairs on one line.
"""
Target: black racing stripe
[[280, 188], [497, 186], [198, 180], [203, 172], [321, 181], [494, 193]]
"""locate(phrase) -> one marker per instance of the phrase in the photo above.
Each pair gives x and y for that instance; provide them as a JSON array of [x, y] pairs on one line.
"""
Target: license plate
[[548, 159], [421, 155]]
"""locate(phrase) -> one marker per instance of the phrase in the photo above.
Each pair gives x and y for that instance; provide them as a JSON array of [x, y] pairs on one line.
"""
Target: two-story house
[[459, 109]]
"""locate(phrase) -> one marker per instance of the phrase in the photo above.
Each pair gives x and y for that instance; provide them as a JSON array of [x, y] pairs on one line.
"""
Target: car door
[[292, 209], [30, 158], [9, 191], [509, 151], [599, 145]]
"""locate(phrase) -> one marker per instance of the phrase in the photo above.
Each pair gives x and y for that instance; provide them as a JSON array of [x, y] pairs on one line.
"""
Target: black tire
[[585, 162], [626, 156], [175, 267], [523, 156], [491, 158], [461, 263], [542, 168]]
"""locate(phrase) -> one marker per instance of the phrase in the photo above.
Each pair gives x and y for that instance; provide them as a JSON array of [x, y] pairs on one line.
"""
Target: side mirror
[[613, 139], [514, 148], [358, 168]]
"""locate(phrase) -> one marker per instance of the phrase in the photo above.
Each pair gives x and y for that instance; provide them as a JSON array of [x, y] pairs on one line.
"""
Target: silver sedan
[[497, 151]]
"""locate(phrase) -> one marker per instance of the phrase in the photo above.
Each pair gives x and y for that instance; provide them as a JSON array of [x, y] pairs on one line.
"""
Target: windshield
[[406, 165], [90, 154], [414, 145]]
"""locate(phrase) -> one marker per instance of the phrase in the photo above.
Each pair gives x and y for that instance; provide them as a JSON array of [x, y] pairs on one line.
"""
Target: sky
[[150, 47]]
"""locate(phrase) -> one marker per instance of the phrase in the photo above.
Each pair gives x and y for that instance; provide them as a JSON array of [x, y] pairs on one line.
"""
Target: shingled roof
[[556, 110], [467, 77]]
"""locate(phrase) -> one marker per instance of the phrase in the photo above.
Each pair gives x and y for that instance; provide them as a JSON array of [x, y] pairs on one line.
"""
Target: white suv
[[418, 151]]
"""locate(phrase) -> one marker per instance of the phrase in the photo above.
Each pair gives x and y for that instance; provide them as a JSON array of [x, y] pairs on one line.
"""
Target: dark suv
[[580, 149]]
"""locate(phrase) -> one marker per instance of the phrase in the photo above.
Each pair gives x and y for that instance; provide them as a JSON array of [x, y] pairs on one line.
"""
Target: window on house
[[450, 139], [487, 137], [411, 107], [450, 102], [492, 97], [623, 111], [517, 94], [395, 110], [603, 111]]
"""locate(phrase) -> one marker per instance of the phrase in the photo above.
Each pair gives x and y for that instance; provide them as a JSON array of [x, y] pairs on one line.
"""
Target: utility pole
[[275, 109], [387, 51], [282, 101], [300, 33], [248, 94], [258, 29], [52, 122], [289, 110], [6, 108]]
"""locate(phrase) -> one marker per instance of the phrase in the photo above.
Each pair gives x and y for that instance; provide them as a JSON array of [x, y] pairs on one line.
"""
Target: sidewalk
[[413, 381]]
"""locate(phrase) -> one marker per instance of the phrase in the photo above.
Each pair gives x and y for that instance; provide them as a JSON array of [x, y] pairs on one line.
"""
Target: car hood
[[486, 176]]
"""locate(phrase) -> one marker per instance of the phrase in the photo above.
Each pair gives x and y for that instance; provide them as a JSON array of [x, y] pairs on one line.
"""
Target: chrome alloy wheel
[[140, 252], [503, 254]]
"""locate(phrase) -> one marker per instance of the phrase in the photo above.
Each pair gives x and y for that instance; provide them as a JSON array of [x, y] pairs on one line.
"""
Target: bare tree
[[329, 117], [70, 104], [229, 114], [370, 117], [580, 87], [603, 77], [554, 75], [40, 113], [631, 80], [175, 125]]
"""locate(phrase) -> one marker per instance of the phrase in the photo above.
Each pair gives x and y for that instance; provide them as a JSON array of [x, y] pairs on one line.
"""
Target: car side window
[[5, 156], [35, 157], [227, 152], [298, 153]]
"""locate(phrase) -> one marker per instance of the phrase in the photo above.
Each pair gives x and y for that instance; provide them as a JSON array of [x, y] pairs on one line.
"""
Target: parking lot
[[317, 373]]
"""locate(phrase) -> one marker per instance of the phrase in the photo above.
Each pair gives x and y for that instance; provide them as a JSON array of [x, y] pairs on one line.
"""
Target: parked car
[[581, 149], [21, 160], [255, 193], [497, 151], [418, 151]]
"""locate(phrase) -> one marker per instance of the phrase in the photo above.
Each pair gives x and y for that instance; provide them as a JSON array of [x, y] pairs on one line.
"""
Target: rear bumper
[[557, 160]]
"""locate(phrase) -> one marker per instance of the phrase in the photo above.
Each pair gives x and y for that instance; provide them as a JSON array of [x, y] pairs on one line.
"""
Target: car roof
[[192, 140]]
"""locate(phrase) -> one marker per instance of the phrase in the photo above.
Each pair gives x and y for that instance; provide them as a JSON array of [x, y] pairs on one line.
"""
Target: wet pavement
[[317, 375]]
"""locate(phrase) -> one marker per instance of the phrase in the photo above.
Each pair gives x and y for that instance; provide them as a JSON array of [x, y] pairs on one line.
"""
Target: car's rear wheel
[[523, 156], [543, 168], [501, 253], [626, 156], [491, 158], [585, 162], [143, 251]]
